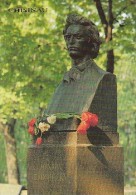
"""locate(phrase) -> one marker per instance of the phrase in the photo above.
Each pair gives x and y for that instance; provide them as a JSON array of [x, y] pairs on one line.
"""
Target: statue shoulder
[[103, 74]]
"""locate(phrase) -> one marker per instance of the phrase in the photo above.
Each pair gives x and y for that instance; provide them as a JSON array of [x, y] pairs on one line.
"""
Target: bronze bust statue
[[85, 87], [69, 162]]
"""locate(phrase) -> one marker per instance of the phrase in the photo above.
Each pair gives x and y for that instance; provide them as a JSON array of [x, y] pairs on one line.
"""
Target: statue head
[[81, 36]]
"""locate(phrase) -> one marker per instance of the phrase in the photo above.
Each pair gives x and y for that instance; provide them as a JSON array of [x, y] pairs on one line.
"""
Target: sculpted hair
[[93, 32]]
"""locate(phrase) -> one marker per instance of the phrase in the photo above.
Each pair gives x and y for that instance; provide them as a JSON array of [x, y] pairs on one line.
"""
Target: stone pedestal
[[69, 164]]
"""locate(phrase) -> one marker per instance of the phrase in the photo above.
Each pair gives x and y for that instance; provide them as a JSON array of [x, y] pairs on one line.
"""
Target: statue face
[[77, 41]]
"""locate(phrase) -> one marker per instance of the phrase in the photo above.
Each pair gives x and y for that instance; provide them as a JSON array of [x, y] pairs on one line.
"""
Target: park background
[[34, 59]]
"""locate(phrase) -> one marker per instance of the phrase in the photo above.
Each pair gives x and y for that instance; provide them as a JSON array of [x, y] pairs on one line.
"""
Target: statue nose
[[72, 39]]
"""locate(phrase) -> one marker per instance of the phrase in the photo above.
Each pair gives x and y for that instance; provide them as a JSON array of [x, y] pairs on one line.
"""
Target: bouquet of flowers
[[39, 126]]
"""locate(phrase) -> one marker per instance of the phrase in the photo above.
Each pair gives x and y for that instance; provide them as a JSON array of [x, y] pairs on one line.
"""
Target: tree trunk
[[110, 61], [11, 157], [108, 26]]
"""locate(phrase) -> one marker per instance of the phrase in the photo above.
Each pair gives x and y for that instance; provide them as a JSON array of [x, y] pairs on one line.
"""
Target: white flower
[[51, 119], [43, 126]]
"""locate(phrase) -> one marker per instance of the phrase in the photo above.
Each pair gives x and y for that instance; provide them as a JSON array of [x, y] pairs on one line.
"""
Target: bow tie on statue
[[75, 72]]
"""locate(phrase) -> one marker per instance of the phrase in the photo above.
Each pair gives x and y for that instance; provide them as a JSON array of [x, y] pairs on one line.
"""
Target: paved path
[[128, 191], [8, 189]]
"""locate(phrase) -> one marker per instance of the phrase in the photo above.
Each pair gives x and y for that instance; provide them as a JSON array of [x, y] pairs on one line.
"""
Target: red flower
[[39, 141], [31, 130], [94, 120], [32, 122], [91, 119], [82, 128], [85, 116]]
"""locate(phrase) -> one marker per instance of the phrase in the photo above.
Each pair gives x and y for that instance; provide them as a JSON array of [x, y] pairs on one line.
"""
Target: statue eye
[[78, 37], [67, 37]]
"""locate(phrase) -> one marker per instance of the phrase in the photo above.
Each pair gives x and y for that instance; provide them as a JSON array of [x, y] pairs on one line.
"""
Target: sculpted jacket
[[87, 88]]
